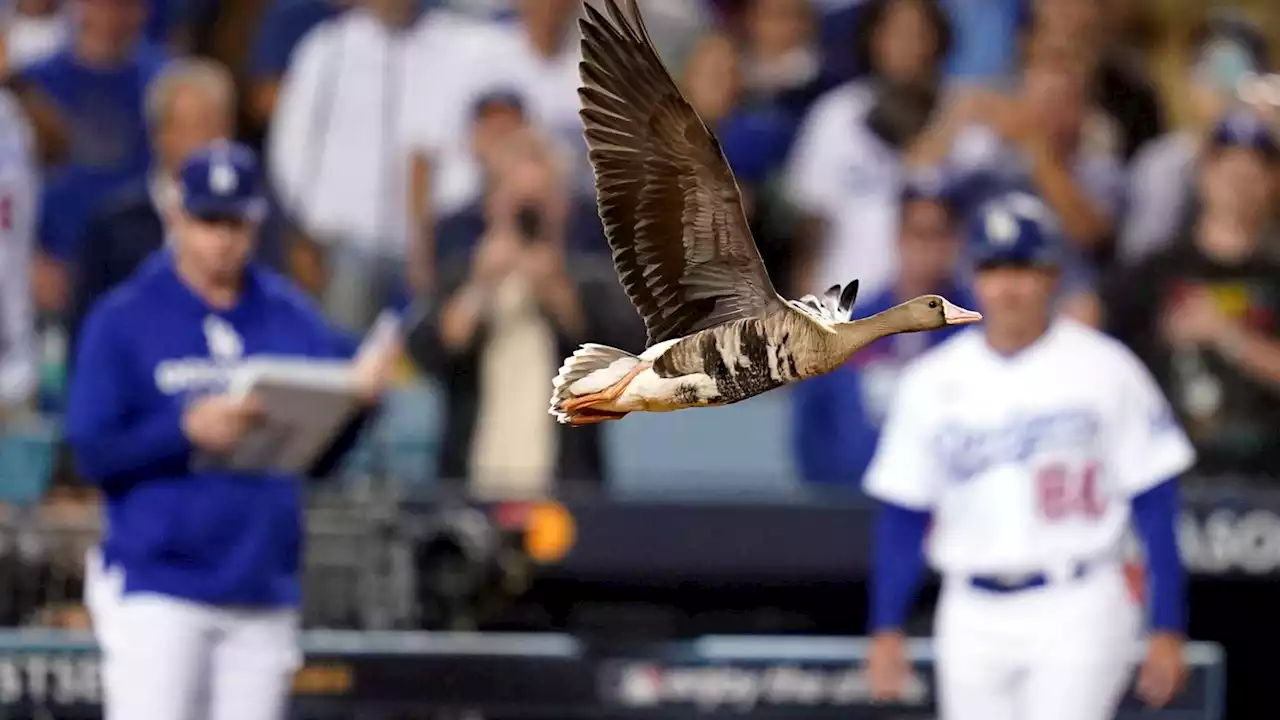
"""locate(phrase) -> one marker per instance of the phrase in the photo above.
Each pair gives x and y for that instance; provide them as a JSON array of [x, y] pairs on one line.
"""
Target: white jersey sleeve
[[905, 470], [1149, 446]]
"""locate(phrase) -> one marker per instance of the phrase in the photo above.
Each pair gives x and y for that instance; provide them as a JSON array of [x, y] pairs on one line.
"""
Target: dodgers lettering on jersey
[[1027, 462], [969, 451], [195, 376]]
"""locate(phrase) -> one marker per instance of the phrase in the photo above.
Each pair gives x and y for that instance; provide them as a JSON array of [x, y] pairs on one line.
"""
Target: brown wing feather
[[669, 202]]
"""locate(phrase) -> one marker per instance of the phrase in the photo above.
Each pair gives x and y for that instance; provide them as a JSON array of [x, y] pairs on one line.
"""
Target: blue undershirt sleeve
[[1155, 516], [898, 565]]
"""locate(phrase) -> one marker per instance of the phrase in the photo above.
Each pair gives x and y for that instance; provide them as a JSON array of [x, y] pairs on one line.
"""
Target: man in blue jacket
[[194, 588]]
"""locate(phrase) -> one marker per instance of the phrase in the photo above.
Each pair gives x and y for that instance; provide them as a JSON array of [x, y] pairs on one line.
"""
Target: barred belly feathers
[[718, 332]]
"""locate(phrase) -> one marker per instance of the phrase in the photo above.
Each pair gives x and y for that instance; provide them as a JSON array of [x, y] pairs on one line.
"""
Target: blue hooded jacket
[[145, 351]]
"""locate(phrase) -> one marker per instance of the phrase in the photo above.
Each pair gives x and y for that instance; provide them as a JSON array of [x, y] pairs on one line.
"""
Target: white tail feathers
[[590, 369]]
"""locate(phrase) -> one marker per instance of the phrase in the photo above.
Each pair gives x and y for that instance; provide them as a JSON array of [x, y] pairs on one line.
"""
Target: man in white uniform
[[1022, 450]]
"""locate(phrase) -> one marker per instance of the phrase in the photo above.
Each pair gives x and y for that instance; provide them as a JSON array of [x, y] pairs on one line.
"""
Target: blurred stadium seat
[[26, 461], [743, 448], [404, 441]]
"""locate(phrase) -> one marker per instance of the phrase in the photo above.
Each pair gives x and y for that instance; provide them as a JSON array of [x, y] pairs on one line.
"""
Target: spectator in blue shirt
[[838, 416], [97, 84]]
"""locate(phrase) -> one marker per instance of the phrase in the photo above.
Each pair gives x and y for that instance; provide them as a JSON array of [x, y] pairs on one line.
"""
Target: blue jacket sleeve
[[1155, 516], [898, 566], [116, 442]]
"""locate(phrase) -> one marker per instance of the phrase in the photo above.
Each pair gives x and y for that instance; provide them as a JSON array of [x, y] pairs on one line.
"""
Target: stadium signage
[[377, 675], [743, 688], [1224, 540], [57, 679], [324, 679]]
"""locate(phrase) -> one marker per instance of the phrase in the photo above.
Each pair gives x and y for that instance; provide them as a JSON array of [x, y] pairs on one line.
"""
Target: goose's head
[[930, 312], [927, 312]]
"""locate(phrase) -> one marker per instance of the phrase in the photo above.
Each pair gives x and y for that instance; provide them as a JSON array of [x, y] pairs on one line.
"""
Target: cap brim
[[248, 210]]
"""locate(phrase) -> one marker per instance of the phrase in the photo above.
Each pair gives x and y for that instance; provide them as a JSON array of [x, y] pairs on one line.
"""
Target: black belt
[[1003, 584]]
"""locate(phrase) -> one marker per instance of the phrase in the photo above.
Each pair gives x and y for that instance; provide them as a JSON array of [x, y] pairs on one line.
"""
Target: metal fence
[[354, 574]]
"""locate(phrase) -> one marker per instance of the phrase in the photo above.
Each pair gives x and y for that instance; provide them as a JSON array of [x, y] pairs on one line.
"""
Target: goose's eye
[[933, 303]]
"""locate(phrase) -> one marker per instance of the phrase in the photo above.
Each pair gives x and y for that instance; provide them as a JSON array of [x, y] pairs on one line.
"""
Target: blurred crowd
[[426, 155]]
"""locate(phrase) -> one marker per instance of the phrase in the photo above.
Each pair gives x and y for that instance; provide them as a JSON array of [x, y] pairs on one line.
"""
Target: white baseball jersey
[[1028, 461], [18, 193]]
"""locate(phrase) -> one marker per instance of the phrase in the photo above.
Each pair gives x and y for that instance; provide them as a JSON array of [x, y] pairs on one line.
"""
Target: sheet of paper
[[307, 402]]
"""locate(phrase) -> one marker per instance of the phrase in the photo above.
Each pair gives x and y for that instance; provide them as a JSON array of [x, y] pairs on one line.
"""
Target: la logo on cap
[[222, 178], [1002, 228]]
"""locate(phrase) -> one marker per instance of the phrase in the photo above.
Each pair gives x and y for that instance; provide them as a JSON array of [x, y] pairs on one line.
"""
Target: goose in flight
[[718, 332]]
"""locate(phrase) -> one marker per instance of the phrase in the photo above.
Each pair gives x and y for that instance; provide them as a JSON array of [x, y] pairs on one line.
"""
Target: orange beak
[[956, 315]]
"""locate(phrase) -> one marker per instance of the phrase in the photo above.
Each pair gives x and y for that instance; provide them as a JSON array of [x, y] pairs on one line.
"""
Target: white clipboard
[[306, 403]]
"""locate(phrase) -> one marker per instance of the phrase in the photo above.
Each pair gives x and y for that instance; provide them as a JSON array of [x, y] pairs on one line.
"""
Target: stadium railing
[[351, 579]]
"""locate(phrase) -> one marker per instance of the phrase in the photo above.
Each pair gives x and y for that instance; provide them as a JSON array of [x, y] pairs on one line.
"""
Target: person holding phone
[[515, 292]]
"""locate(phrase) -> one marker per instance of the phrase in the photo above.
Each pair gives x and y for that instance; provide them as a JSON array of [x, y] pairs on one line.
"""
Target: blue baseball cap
[[1243, 129], [223, 182], [1015, 229]]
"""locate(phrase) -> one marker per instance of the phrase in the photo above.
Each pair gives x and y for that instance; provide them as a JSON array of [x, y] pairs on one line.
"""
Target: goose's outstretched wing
[[669, 203]]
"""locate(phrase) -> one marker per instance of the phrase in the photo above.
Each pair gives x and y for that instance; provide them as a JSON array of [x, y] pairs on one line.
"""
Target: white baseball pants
[[170, 659], [1060, 652]]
